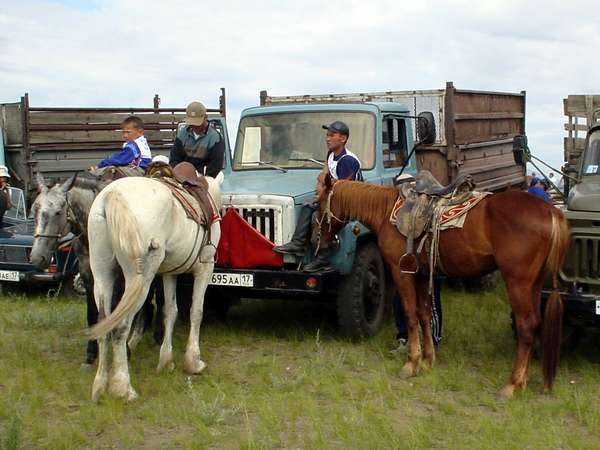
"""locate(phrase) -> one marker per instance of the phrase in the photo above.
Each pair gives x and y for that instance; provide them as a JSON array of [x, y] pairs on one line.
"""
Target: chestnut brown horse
[[513, 231]]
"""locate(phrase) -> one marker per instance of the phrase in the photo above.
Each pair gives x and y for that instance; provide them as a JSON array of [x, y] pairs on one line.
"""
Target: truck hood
[[274, 182], [19, 234], [584, 197]]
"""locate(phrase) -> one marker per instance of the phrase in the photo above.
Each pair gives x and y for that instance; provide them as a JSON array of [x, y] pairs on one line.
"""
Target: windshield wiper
[[313, 160], [267, 164]]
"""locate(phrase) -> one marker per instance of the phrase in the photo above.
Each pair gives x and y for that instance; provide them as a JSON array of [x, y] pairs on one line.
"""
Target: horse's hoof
[[506, 393], [194, 367], [98, 389], [408, 371], [165, 364]]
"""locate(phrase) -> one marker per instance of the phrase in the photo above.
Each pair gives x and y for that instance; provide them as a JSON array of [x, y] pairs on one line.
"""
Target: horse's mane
[[89, 184], [366, 202]]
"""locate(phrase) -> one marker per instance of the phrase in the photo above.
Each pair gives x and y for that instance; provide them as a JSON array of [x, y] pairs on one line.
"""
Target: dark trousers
[[436, 314]]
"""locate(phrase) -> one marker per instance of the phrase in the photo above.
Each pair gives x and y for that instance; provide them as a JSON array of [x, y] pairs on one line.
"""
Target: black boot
[[321, 262], [297, 245]]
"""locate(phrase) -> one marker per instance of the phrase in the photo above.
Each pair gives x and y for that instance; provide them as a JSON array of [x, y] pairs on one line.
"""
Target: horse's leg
[[202, 273], [405, 285], [170, 315], [524, 297], [103, 287], [424, 314], [120, 380], [83, 258], [159, 298]]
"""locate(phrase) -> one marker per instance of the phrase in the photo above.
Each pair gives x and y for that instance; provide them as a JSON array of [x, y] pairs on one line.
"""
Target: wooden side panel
[[481, 117], [11, 120]]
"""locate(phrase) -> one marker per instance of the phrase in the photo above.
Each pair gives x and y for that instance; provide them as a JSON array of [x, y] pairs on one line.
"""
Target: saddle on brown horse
[[183, 177], [424, 199]]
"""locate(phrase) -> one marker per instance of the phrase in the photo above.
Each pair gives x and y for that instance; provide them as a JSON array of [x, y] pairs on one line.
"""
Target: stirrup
[[412, 266]]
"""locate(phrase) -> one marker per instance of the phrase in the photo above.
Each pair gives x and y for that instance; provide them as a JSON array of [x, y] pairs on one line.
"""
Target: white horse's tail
[[125, 238]]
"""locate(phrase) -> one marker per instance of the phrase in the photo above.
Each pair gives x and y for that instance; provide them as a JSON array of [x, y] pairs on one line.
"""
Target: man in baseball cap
[[341, 164], [198, 143]]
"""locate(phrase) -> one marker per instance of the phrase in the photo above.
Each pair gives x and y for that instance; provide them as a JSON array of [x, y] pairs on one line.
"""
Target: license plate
[[232, 279], [9, 275], [598, 307]]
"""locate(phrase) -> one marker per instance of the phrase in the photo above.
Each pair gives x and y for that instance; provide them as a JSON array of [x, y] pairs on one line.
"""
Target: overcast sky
[[120, 53]]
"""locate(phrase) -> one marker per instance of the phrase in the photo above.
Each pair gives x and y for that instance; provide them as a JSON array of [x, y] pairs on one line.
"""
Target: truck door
[[395, 146]]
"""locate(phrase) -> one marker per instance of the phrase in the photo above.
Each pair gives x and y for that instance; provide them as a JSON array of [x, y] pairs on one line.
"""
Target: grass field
[[279, 376]]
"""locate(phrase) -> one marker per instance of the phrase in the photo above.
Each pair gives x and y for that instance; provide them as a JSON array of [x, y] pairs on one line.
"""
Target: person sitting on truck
[[198, 143], [342, 164], [135, 152], [538, 187], [5, 202]]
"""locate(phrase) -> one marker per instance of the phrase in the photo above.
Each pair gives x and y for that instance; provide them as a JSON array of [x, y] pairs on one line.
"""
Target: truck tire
[[361, 296]]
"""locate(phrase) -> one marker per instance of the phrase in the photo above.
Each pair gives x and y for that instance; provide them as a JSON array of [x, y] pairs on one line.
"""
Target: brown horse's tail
[[553, 315]]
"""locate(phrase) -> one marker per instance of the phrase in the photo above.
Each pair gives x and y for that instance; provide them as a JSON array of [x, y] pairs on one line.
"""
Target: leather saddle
[[424, 197], [184, 175]]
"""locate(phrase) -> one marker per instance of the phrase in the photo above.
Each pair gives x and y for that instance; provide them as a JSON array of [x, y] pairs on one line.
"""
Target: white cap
[[4, 171], [161, 159]]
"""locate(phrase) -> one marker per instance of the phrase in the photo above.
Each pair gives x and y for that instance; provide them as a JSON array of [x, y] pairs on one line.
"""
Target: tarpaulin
[[243, 247]]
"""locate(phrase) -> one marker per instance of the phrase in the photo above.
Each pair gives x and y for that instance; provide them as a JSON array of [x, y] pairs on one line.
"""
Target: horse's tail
[[126, 240], [553, 315]]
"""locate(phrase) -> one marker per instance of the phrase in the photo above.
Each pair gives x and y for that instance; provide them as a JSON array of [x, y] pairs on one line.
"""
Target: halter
[[327, 214]]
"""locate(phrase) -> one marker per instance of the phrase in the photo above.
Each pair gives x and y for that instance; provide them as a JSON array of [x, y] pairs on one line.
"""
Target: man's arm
[[177, 154], [216, 156], [347, 168]]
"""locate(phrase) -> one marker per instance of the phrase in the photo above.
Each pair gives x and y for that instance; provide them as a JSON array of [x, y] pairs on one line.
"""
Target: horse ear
[[41, 183], [67, 185]]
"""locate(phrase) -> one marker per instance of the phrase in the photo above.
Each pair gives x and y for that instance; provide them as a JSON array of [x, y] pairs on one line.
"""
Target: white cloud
[[123, 52]]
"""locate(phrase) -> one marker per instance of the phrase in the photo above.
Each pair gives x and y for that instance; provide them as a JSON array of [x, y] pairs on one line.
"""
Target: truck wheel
[[361, 298]]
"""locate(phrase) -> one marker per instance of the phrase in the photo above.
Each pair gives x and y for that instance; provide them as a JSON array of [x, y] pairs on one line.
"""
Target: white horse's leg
[[192, 362], [103, 287], [170, 315], [137, 332], [120, 381]]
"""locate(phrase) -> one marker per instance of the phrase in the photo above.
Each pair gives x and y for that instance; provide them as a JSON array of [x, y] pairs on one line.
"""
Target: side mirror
[[426, 128], [520, 149]]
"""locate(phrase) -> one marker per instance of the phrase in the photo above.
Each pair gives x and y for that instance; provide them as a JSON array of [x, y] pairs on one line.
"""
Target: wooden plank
[[41, 137], [489, 116], [99, 127], [581, 104], [77, 117]]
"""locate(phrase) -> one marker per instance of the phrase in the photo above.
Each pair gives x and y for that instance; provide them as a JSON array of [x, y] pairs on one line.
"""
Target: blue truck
[[280, 150]]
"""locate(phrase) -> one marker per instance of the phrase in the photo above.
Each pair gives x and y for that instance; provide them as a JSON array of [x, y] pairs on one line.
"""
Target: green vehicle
[[580, 276]]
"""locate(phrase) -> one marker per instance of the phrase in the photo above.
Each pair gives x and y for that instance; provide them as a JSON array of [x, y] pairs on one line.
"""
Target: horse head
[[328, 224], [50, 217]]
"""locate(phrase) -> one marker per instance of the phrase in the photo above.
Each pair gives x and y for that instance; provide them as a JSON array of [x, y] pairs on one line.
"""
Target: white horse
[[138, 224]]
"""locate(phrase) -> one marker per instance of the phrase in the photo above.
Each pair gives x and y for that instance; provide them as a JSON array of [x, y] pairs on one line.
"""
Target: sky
[[120, 53]]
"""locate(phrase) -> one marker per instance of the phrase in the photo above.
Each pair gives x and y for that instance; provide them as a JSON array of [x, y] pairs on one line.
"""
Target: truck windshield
[[297, 140], [591, 161]]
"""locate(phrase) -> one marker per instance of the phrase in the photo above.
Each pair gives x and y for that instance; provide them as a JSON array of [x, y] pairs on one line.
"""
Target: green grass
[[279, 376]]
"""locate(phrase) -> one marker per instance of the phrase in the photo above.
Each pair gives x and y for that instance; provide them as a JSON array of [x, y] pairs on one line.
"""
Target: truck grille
[[585, 255], [261, 219], [13, 254]]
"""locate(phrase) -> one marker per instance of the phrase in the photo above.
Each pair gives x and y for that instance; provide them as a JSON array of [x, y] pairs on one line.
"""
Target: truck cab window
[[395, 149]]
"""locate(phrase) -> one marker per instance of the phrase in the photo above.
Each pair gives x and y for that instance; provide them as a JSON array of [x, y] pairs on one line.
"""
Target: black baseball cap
[[338, 127]]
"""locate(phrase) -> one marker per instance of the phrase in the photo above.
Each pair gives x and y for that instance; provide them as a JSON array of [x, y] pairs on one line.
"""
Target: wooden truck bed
[[59, 141], [474, 130]]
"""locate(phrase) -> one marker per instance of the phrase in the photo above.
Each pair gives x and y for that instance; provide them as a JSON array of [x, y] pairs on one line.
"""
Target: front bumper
[[580, 308], [281, 283]]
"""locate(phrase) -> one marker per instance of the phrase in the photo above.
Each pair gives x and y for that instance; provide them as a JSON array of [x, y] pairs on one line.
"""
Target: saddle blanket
[[452, 217]]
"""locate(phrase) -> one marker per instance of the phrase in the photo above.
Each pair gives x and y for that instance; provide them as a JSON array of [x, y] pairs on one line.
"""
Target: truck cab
[[278, 155]]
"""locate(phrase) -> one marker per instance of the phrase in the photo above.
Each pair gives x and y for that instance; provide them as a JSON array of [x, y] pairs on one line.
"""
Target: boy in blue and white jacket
[[135, 151]]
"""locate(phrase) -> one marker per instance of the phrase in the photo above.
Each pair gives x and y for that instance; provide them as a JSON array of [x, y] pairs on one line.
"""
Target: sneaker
[[401, 347]]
